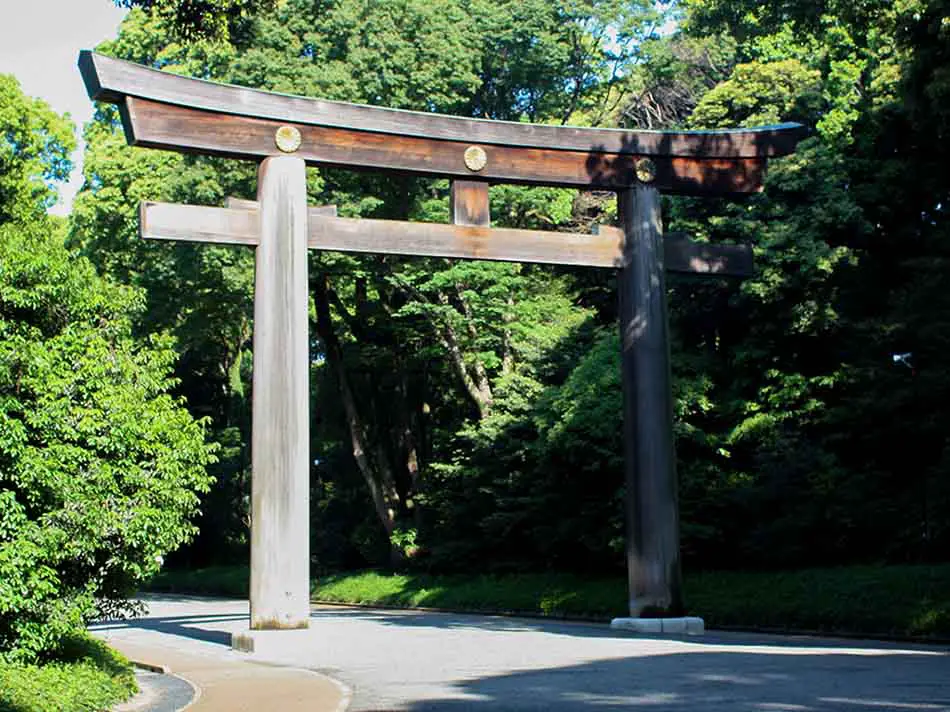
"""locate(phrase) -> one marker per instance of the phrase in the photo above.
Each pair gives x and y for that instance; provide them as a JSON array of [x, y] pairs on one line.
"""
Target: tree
[[34, 153], [100, 467], [203, 19], [851, 240]]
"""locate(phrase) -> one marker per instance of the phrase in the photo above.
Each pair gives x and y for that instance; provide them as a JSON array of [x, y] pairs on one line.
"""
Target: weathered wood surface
[[463, 242], [652, 512], [154, 125], [312, 211], [236, 224], [469, 201], [239, 225], [199, 223], [113, 80], [280, 426]]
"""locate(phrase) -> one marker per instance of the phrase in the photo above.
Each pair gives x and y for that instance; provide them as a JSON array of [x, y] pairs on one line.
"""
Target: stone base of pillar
[[251, 641], [660, 626], [243, 642]]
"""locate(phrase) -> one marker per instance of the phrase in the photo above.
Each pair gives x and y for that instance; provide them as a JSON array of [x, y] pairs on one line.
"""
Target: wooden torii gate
[[285, 133]]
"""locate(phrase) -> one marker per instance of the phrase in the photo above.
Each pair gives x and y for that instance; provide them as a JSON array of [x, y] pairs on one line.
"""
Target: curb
[[150, 667], [506, 613], [164, 670], [595, 619]]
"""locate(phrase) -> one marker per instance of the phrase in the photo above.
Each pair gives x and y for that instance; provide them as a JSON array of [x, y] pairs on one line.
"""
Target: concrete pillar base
[[250, 641], [660, 626], [243, 642]]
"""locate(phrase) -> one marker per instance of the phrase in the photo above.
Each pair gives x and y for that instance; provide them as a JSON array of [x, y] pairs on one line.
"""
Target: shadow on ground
[[184, 626], [718, 672], [476, 621], [717, 681]]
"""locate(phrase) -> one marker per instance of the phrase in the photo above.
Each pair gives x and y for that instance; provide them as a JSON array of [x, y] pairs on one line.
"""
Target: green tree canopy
[[34, 152], [465, 412], [100, 467]]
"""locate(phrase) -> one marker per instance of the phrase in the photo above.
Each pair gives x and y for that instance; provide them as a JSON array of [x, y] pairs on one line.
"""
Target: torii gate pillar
[[652, 518], [280, 438]]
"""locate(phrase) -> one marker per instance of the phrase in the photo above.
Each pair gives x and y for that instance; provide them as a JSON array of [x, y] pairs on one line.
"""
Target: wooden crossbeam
[[237, 224], [164, 110], [468, 242], [240, 225], [151, 124], [686, 256], [114, 80], [313, 210], [199, 223]]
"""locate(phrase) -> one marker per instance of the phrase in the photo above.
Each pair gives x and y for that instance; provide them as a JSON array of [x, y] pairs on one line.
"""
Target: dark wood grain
[[112, 80], [155, 125], [683, 255], [650, 494]]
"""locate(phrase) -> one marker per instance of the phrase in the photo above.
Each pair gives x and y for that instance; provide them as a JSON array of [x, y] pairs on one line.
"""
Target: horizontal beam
[[686, 256], [602, 249], [199, 223], [155, 125], [240, 226], [236, 224], [113, 80], [312, 211]]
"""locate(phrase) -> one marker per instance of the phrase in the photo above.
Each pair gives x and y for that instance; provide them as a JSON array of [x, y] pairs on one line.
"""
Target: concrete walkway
[[186, 637], [427, 662]]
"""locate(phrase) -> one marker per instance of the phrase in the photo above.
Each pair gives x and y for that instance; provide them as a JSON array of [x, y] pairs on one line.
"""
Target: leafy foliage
[[469, 414], [99, 465], [35, 145], [87, 675], [203, 19]]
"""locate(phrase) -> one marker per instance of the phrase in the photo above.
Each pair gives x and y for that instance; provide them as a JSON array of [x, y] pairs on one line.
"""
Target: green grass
[[544, 594], [900, 601], [87, 676], [227, 581]]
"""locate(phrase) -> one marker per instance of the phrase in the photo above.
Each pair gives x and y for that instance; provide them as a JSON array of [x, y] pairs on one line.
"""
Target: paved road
[[159, 692], [427, 662]]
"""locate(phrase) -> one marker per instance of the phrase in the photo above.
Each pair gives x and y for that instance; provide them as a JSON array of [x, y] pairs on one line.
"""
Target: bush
[[99, 465], [88, 676]]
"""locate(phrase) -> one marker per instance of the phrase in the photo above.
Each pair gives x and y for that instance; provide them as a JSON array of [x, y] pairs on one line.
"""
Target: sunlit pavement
[[404, 660]]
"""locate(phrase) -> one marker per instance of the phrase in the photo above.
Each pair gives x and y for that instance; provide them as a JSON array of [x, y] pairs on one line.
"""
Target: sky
[[39, 44]]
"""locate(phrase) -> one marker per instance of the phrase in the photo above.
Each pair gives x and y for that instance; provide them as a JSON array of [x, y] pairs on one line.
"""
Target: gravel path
[[423, 662]]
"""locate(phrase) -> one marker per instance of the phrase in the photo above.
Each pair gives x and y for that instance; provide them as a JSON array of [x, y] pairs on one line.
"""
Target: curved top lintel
[[111, 80]]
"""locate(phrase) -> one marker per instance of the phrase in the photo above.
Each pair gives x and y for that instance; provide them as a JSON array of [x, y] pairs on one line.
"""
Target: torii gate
[[285, 133]]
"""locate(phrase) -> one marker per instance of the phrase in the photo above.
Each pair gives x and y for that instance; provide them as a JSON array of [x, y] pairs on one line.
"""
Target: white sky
[[39, 44]]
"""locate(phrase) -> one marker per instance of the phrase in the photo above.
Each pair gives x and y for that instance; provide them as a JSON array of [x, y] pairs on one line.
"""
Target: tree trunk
[[385, 509], [476, 385]]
